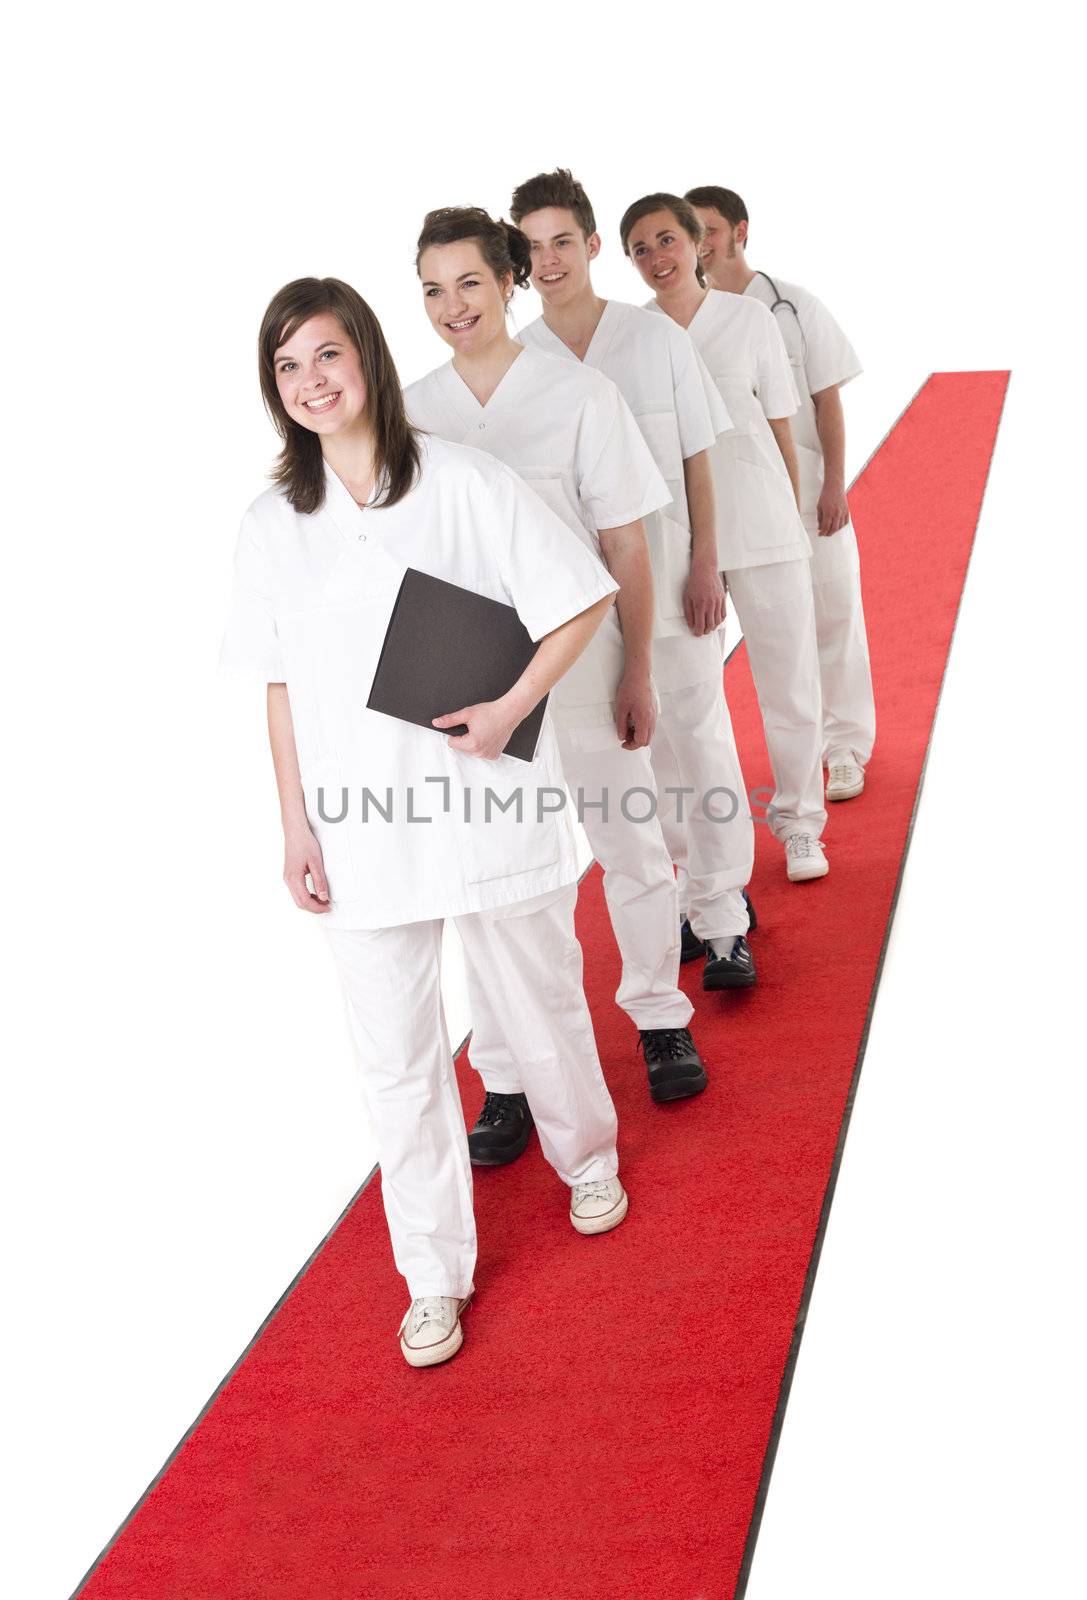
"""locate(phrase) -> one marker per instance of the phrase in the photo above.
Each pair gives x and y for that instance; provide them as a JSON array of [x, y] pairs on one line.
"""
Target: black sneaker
[[690, 945], [502, 1130], [732, 970], [675, 1066]]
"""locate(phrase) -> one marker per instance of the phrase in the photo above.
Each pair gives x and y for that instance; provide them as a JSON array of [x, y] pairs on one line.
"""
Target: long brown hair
[[683, 211], [299, 466]]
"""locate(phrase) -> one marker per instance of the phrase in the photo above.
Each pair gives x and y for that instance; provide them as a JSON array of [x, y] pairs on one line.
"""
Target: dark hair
[[299, 466], [726, 201], [503, 247], [560, 189], [681, 209]]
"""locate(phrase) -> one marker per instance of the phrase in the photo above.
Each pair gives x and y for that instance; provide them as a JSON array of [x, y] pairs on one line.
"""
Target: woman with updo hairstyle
[[503, 247], [360, 498], [568, 432]]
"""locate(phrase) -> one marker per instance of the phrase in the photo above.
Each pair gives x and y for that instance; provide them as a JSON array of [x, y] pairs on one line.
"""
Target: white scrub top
[[757, 519], [653, 363], [312, 601], [567, 431], [820, 355]]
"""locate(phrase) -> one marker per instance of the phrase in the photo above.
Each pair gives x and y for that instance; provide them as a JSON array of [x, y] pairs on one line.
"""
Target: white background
[[184, 1123]]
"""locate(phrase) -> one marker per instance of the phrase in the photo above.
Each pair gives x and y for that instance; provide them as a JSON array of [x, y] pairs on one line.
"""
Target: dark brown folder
[[448, 647]]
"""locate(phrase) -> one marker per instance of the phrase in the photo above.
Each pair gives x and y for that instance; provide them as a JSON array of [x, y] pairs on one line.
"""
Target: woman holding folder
[[387, 820]]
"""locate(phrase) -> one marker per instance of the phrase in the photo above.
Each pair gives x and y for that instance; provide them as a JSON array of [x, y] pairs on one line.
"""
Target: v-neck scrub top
[[312, 601], [679, 411], [567, 431], [758, 523], [820, 356]]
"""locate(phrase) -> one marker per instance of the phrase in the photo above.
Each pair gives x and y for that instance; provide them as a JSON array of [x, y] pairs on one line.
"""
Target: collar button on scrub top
[[312, 600]]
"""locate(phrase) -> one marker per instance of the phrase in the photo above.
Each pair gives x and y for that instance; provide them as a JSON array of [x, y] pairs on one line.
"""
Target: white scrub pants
[[530, 967], [639, 879], [640, 891], [849, 709], [694, 749], [774, 605]]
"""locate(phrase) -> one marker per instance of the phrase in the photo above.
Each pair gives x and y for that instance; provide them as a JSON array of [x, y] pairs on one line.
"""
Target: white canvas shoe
[[431, 1330], [845, 776], [804, 858], [598, 1206]]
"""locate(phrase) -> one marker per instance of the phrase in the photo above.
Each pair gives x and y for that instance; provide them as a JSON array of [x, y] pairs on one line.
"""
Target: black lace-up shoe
[[690, 945], [731, 969], [675, 1066], [502, 1130]]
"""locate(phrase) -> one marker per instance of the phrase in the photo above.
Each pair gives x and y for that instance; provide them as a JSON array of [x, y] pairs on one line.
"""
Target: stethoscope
[[780, 300]]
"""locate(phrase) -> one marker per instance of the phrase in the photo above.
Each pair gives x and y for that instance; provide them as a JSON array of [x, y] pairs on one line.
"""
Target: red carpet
[[603, 1433]]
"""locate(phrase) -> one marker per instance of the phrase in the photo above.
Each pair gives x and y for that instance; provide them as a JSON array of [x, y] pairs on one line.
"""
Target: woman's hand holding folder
[[489, 727], [491, 723]]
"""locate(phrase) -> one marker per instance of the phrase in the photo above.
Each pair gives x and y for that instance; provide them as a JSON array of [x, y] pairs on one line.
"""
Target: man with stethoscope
[[822, 360]]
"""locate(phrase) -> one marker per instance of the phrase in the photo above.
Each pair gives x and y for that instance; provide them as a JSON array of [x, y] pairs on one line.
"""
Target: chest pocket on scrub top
[[767, 506]]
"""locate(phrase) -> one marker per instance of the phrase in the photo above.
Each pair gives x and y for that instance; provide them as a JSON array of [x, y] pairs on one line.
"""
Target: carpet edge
[[788, 1371]]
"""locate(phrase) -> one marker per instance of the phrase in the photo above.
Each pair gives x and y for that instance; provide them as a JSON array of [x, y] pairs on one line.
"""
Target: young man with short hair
[[822, 361], [680, 412]]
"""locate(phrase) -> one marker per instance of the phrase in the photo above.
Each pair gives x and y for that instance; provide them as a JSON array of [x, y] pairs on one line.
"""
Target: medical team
[[612, 472]]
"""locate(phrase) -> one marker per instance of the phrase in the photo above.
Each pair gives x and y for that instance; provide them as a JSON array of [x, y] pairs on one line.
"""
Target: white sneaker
[[804, 858], [431, 1330], [845, 776], [598, 1206]]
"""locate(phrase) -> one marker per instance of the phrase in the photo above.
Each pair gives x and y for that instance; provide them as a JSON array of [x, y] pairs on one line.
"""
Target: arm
[[830, 425], [704, 597], [302, 853], [783, 433], [626, 553], [491, 723]]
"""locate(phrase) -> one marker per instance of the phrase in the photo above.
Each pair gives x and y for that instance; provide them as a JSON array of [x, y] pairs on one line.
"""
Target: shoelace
[[595, 1189], [840, 775], [430, 1309], [494, 1109], [671, 1044], [800, 844], [737, 952]]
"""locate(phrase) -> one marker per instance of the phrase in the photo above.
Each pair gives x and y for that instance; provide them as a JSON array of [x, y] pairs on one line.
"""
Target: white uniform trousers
[[639, 879], [849, 708], [777, 615], [639, 888], [704, 810], [529, 964]]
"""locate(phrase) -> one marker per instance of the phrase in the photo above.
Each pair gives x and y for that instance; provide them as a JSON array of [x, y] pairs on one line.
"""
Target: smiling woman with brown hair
[[360, 498], [300, 468]]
